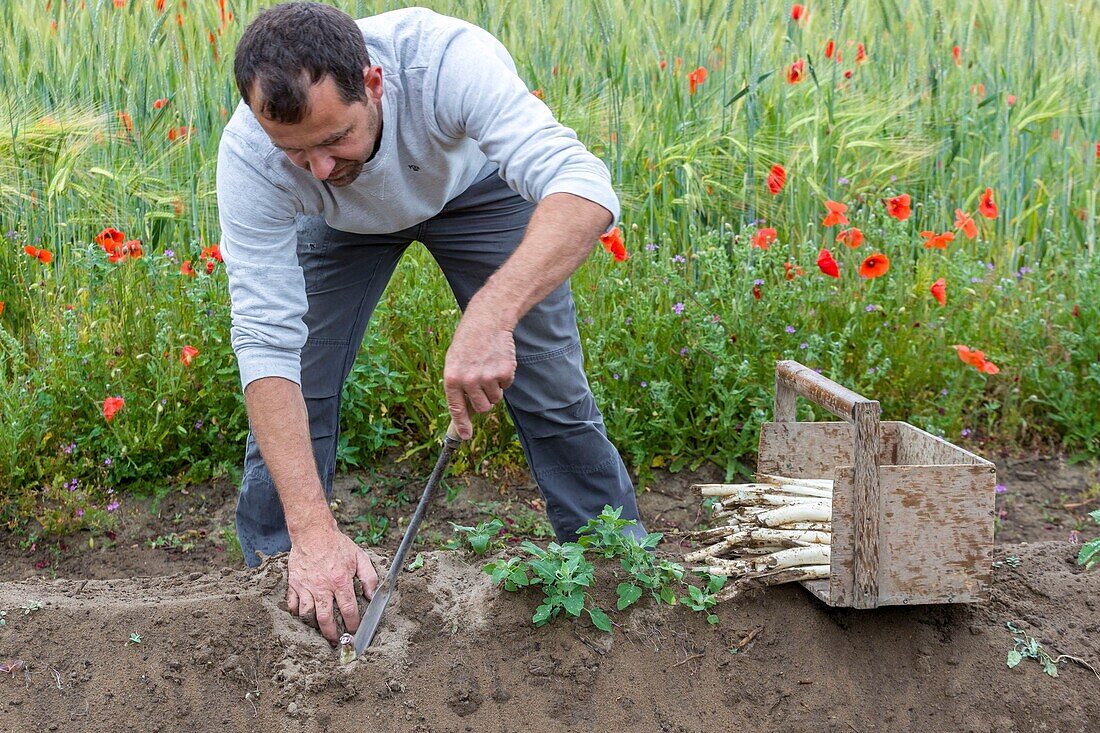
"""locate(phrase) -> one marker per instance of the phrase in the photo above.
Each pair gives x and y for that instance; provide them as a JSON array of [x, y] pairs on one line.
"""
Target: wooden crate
[[912, 516]]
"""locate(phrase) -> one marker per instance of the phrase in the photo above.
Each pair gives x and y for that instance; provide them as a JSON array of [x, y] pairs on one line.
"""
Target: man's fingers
[[292, 601], [456, 404], [307, 609], [349, 608], [479, 399], [367, 576], [326, 622]]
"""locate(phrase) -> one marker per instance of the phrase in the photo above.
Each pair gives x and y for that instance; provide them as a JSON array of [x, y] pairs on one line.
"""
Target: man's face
[[335, 138]]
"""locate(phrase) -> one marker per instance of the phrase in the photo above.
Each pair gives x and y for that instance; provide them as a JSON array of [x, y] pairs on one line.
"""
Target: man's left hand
[[480, 365]]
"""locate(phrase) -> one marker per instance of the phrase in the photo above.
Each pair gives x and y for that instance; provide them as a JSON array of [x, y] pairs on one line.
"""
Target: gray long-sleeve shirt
[[454, 110]]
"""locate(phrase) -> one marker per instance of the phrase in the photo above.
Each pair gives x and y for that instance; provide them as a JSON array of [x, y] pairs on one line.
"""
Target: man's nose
[[321, 166]]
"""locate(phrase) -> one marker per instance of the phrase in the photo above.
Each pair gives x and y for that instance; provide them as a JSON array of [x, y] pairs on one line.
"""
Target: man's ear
[[372, 81]]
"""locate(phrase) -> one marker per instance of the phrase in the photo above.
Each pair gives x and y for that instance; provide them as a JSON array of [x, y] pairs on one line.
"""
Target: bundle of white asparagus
[[776, 530]]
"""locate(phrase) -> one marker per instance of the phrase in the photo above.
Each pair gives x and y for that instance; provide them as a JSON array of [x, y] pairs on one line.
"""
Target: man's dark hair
[[289, 48]]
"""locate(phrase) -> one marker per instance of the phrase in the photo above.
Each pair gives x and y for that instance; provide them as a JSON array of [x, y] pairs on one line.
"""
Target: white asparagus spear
[[769, 499], [792, 557], [813, 483], [758, 537], [761, 488], [789, 575], [815, 512]]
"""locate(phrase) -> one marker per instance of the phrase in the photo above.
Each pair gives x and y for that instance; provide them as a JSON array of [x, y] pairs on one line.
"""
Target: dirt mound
[[216, 653]]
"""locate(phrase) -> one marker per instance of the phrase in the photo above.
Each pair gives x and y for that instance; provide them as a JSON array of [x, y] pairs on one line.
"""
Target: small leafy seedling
[[480, 536], [1089, 556], [31, 606], [1029, 647], [417, 563], [135, 638], [702, 599]]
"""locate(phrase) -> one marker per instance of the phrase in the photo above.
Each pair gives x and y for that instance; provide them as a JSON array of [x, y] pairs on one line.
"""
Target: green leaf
[[1014, 658], [1090, 553], [542, 614], [712, 619], [574, 603], [1095, 516], [668, 595], [1050, 668], [715, 583], [419, 563], [600, 619], [628, 593]]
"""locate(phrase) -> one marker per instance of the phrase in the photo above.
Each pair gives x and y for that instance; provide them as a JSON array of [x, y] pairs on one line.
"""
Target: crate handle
[[793, 379]]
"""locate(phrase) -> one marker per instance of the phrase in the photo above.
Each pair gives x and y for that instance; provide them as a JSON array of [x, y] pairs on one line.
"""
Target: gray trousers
[[560, 428]]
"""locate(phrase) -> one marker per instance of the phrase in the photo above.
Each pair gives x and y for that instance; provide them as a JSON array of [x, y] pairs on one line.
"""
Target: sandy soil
[[216, 652]]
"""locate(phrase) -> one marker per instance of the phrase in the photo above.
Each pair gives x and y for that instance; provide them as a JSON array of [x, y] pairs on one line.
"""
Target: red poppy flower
[[126, 121], [987, 207], [956, 53], [1010, 99], [110, 239], [898, 207], [791, 271], [186, 269], [111, 406], [42, 255], [835, 215], [160, 6], [663, 64], [210, 265], [861, 54], [764, 237], [187, 353], [829, 48], [180, 134], [964, 223], [851, 237], [612, 241], [976, 359], [1, 307], [214, 252], [756, 293], [159, 103], [796, 72], [937, 241], [939, 291], [537, 93], [978, 89], [874, 266], [848, 74], [695, 78], [776, 178], [797, 12], [827, 264]]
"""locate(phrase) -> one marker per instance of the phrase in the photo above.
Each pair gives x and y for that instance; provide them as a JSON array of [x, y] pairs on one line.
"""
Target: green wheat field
[[727, 126]]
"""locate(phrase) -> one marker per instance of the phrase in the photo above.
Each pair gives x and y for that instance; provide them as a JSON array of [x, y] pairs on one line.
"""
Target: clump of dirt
[[216, 652]]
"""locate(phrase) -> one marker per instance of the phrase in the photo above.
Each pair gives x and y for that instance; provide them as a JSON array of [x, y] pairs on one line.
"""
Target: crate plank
[[814, 449], [867, 503], [916, 447]]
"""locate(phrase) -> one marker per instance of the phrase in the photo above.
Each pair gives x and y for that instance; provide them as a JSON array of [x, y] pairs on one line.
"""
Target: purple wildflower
[[1000, 489], [651, 247], [684, 351], [803, 345], [678, 308], [790, 329], [679, 259], [112, 506], [965, 432]]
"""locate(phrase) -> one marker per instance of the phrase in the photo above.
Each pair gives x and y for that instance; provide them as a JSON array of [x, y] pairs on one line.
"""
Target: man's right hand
[[322, 567]]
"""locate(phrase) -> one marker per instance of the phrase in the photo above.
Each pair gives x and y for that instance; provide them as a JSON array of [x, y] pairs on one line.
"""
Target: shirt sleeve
[[478, 94], [259, 245]]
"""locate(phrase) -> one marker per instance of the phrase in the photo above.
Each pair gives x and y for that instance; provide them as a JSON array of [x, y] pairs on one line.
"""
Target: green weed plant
[[565, 573]]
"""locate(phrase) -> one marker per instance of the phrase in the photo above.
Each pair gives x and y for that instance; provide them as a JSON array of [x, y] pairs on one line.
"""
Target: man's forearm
[[280, 424], [562, 232]]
